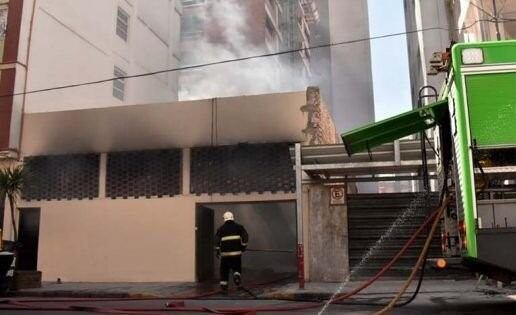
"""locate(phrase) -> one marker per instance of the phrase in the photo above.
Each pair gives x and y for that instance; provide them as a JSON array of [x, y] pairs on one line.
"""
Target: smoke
[[230, 32]]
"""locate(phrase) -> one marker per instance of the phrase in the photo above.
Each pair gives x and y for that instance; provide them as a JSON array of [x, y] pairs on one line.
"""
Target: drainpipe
[[299, 213], [497, 26]]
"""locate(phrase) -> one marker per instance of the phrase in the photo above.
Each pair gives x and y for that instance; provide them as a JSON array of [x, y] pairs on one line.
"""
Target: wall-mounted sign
[[337, 195]]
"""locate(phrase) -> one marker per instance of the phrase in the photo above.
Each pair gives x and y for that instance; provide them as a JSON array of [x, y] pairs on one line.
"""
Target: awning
[[390, 129]]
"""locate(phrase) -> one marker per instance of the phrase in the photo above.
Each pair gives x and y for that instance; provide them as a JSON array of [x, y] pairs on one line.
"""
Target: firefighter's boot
[[237, 279], [224, 287]]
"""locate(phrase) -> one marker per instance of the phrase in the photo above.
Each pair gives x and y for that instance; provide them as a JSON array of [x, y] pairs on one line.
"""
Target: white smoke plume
[[230, 20]]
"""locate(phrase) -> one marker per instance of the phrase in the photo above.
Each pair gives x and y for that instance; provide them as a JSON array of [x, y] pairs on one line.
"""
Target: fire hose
[[11, 304], [420, 261]]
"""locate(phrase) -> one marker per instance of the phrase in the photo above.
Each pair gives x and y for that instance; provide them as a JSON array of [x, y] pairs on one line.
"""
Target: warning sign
[[337, 195]]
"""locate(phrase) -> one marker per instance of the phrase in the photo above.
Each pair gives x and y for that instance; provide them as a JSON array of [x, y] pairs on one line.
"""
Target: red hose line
[[180, 297], [17, 305], [392, 262]]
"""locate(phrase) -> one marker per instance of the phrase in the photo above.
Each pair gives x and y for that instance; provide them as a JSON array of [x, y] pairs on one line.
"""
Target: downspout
[[299, 213]]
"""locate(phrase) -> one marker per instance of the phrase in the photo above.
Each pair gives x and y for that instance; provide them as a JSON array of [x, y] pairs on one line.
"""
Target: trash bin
[[6, 260]]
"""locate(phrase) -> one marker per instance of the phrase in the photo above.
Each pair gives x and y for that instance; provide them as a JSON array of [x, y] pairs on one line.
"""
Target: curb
[[299, 296], [68, 294]]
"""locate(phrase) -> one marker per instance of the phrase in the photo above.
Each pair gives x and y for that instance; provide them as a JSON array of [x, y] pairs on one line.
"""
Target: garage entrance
[[272, 239]]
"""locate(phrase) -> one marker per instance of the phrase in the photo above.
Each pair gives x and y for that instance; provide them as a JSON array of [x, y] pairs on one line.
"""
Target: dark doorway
[[271, 226], [29, 238], [204, 247]]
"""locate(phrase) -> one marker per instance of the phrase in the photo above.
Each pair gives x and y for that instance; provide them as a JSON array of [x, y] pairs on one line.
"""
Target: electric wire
[[246, 58], [482, 9]]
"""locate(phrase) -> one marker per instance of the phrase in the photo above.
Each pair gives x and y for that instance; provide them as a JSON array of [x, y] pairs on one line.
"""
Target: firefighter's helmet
[[228, 216]]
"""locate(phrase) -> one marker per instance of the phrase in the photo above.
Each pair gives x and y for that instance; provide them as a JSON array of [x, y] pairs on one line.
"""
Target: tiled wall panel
[[242, 168], [143, 173], [62, 177]]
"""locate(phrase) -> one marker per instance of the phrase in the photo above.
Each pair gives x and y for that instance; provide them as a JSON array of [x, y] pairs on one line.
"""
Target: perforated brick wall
[[242, 168], [143, 173], [62, 177]]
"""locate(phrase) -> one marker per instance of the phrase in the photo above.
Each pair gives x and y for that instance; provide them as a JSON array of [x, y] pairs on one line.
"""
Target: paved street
[[436, 297], [423, 305]]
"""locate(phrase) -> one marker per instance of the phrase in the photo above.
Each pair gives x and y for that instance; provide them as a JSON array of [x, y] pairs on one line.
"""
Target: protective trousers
[[226, 263]]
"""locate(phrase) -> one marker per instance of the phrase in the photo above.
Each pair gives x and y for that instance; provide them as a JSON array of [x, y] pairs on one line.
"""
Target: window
[[122, 24], [187, 3], [119, 84], [269, 26], [191, 26], [3, 26]]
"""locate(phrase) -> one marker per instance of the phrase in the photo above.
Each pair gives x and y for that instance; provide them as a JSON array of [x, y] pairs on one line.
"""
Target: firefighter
[[231, 242]]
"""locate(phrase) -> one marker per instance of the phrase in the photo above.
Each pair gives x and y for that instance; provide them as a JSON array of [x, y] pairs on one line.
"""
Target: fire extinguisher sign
[[337, 195]]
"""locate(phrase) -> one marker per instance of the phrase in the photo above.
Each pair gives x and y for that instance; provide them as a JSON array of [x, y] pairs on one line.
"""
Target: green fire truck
[[474, 123]]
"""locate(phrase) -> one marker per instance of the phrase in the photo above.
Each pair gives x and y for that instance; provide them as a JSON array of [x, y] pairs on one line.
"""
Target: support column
[[185, 162], [328, 237], [102, 175]]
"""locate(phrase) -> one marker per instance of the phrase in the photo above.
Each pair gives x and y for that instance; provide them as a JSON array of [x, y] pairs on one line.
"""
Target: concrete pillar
[[185, 183], [102, 175], [328, 237]]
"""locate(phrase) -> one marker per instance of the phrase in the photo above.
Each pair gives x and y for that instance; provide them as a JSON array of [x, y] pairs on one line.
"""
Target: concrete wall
[[139, 240], [282, 117], [326, 249]]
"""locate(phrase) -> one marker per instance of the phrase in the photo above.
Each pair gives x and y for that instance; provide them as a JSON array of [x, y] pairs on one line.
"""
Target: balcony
[[310, 11]]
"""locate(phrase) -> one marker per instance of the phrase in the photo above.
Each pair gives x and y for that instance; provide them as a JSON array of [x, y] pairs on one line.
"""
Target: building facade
[[133, 192], [434, 18], [434, 25], [343, 71], [484, 20], [48, 44], [219, 30]]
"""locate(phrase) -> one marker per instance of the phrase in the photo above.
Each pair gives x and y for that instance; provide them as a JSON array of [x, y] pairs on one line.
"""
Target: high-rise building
[[484, 20], [343, 71], [428, 31], [439, 23], [49, 43], [219, 30]]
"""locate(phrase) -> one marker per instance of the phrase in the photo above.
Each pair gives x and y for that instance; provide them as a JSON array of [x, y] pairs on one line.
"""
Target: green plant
[[12, 181]]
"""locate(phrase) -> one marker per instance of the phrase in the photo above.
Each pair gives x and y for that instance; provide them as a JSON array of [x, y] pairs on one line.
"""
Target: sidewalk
[[287, 291], [115, 290], [323, 291]]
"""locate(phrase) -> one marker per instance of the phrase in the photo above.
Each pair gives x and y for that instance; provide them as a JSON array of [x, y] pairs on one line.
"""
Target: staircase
[[371, 215]]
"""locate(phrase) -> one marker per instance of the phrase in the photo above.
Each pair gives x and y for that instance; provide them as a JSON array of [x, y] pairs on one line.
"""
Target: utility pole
[[497, 26]]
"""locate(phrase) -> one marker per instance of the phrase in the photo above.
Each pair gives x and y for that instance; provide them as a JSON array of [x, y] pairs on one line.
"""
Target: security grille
[[242, 168], [62, 177], [143, 173]]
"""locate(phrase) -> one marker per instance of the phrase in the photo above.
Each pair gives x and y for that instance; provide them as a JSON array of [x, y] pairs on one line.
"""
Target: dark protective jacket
[[231, 239]]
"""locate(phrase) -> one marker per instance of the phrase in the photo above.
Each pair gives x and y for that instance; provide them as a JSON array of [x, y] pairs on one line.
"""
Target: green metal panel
[[369, 136], [492, 108], [463, 157], [464, 166], [502, 52]]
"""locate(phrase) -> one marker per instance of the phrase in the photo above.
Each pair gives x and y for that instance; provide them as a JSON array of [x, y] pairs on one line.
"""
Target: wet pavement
[[435, 297], [424, 304]]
